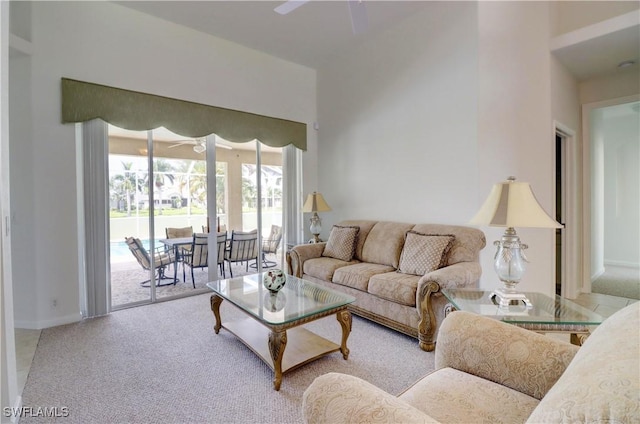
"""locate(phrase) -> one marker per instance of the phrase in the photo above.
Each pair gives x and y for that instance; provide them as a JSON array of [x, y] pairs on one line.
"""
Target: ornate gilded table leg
[[215, 307], [277, 344], [344, 318], [578, 339]]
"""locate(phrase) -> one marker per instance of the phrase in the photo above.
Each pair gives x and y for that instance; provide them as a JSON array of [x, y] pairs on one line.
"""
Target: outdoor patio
[[126, 278]]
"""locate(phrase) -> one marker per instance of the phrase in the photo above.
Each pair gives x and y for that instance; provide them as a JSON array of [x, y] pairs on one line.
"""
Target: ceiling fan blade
[[358, 13], [180, 143], [289, 6]]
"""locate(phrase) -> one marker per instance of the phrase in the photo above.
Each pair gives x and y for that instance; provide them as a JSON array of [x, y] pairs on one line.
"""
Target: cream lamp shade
[[511, 204], [315, 203]]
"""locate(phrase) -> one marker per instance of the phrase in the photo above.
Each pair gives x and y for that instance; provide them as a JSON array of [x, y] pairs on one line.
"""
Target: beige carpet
[[618, 281], [163, 363]]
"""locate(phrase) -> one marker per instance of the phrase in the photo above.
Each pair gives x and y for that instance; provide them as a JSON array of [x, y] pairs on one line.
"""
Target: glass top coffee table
[[546, 315], [275, 322]]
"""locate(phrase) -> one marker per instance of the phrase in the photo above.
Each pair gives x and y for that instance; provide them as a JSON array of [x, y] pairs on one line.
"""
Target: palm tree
[[161, 172], [198, 183], [124, 185]]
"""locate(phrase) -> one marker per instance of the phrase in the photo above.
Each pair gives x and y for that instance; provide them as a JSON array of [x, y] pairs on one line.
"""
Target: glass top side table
[[546, 315]]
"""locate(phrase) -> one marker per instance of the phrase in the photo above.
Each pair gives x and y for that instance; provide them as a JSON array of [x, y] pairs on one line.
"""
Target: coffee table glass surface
[[545, 309], [298, 299]]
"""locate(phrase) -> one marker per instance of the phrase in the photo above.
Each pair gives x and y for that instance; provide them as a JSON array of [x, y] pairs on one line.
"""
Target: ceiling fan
[[200, 144], [357, 12]]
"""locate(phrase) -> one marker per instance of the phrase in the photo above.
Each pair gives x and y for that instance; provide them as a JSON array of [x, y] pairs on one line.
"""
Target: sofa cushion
[[396, 287], [358, 275], [452, 396], [601, 384], [323, 268], [365, 226], [342, 243], [384, 243], [468, 243], [423, 253]]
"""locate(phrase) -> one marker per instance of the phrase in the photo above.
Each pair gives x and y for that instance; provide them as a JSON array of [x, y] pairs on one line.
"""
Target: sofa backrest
[[381, 242], [365, 226], [602, 383], [467, 245]]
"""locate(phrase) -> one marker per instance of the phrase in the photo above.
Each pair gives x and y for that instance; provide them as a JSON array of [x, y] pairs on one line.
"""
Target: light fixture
[[315, 203], [511, 204]]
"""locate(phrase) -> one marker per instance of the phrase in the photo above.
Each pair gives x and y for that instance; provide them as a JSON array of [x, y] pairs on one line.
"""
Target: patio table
[[176, 244]]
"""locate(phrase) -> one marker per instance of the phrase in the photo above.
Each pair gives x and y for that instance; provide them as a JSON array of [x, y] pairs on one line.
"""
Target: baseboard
[[39, 325], [597, 274], [622, 264]]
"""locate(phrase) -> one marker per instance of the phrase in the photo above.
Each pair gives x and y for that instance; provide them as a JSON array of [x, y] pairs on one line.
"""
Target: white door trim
[[571, 216]]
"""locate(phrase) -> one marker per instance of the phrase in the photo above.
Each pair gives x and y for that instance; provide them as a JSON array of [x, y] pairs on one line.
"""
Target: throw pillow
[[342, 243], [423, 253]]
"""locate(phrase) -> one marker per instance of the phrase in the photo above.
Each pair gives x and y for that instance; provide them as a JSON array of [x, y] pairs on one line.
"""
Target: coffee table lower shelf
[[303, 346]]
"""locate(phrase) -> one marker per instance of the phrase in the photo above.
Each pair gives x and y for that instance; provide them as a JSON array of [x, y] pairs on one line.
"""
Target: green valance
[[132, 110]]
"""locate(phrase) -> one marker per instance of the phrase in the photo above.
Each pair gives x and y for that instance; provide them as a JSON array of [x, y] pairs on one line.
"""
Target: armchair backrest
[[222, 246], [138, 250], [199, 250], [244, 246], [270, 245], [179, 232]]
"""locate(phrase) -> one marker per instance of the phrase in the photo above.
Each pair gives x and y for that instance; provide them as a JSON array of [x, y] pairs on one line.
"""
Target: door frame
[[570, 235], [587, 108]]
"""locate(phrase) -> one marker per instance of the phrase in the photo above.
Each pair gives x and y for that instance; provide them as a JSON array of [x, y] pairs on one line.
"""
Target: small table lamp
[[315, 203], [511, 204]]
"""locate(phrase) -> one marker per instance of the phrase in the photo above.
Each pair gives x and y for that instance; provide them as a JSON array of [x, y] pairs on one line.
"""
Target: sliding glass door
[[150, 199], [158, 200], [255, 187]]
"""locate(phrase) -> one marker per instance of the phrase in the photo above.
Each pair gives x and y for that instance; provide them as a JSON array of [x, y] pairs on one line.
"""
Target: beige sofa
[[489, 371], [409, 301]]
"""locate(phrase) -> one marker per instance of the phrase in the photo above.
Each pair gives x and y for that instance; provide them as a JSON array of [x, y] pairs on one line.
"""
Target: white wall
[[624, 82], [398, 122], [514, 123], [572, 15], [622, 190], [108, 44]]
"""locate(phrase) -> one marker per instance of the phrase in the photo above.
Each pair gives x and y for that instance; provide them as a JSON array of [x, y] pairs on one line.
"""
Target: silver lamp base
[[505, 298]]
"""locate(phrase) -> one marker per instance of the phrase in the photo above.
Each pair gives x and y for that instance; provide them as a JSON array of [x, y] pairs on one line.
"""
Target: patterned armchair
[[490, 371]]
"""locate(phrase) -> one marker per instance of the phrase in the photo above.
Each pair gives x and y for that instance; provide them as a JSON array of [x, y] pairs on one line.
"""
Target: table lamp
[[315, 203], [511, 204]]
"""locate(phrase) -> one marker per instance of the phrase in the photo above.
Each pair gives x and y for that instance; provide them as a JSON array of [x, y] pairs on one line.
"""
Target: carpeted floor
[[163, 363], [618, 281]]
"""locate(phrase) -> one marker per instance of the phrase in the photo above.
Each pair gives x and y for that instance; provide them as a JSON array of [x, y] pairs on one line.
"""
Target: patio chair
[[179, 233], [243, 248], [270, 245], [161, 258], [197, 257], [222, 248]]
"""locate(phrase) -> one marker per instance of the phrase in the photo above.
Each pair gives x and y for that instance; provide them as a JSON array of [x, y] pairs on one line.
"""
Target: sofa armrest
[[341, 398], [461, 274], [300, 253], [523, 360]]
